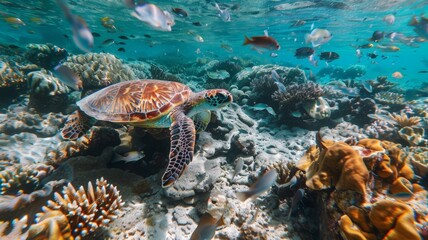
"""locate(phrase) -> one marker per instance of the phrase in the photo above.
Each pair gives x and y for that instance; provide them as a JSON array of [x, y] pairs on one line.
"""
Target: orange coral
[[52, 225], [401, 185], [394, 220], [351, 231], [341, 166]]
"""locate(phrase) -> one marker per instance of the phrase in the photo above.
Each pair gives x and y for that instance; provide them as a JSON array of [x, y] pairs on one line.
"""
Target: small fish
[[262, 185], [262, 42], [388, 48], [304, 52], [147, 36], [274, 55], [403, 196], [263, 107], [206, 228], [121, 43], [358, 53], [128, 157], [68, 77], [121, 49], [329, 56], [238, 167], [124, 37], [367, 86], [108, 42], [318, 37], [108, 23], [377, 36], [291, 183], [154, 16], [96, 34], [275, 76], [180, 12], [298, 23], [66, 36], [372, 55], [389, 19], [226, 47], [82, 36], [223, 14], [11, 46], [352, 92], [364, 46], [298, 196], [397, 75], [296, 114], [423, 71], [198, 38], [197, 24], [36, 20], [14, 21]]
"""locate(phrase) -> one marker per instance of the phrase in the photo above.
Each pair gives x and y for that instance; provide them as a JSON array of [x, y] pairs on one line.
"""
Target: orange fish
[[397, 75], [262, 42]]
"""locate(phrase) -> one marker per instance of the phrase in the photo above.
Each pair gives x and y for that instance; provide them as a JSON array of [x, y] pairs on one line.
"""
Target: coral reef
[[368, 200], [402, 120], [288, 75], [391, 98], [47, 93], [87, 210], [46, 56], [18, 179], [92, 142], [141, 69], [97, 70], [297, 95]]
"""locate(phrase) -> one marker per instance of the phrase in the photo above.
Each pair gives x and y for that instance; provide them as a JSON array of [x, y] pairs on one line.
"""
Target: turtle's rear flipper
[[183, 136], [76, 125]]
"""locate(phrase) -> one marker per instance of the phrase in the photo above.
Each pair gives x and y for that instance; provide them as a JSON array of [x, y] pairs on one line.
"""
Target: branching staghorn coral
[[389, 98], [402, 120], [19, 179], [86, 210], [296, 95]]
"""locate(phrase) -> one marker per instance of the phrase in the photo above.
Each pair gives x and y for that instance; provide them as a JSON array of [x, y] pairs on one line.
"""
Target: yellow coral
[[402, 120], [89, 209], [52, 225]]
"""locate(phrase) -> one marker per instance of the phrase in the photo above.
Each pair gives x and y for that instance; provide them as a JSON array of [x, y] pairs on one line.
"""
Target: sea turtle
[[152, 104]]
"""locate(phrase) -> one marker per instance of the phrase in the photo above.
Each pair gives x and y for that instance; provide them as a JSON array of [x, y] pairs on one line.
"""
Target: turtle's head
[[216, 98]]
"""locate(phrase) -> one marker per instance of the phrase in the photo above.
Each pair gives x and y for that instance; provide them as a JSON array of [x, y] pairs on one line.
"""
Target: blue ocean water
[[351, 23], [284, 105]]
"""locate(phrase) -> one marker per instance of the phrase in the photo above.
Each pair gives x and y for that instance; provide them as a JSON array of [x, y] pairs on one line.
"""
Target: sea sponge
[[296, 95], [46, 56], [413, 136], [18, 179], [390, 98], [50, 225], [401, 185], [341, 166], [394, 220], [97, 70], [87, 210], [402, 120], [318, 109], [399, 162]]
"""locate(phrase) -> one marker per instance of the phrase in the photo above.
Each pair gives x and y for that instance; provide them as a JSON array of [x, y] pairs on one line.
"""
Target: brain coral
[[99, 69]]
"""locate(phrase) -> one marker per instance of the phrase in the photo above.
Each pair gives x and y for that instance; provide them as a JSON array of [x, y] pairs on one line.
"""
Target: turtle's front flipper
[[76, 125], [201, 120], [182, 144]]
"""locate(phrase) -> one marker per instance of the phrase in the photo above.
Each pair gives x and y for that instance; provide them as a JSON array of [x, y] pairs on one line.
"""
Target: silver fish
[[82, 36], [238, 167], [296, 200], [68, 77], [206, 228], [259, 187], [223, 14], [367, 86], [128, 157], [352, 92], [275, 76], [154, 16]]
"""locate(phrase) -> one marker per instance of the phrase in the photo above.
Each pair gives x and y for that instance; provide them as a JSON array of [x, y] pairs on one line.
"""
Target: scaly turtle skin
[[152, 104]]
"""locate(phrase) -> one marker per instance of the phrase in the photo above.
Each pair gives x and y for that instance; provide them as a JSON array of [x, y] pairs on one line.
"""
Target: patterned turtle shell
[[135, 101]]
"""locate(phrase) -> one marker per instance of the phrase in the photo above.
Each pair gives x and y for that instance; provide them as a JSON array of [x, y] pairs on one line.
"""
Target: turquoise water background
[[351, 26]]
